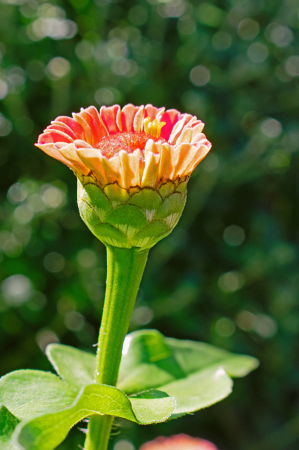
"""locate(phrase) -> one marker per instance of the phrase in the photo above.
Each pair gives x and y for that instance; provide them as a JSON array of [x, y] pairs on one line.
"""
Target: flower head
[[138, 157], [178, 442], [135, 146]]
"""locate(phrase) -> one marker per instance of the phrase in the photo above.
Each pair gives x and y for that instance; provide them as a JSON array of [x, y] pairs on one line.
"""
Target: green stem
[[124, 272]]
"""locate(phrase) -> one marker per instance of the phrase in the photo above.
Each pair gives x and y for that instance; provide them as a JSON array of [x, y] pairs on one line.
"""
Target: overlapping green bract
[[138, 217]]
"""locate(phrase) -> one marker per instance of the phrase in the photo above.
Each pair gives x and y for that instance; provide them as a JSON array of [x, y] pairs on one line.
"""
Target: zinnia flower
[[178, 442], [132, 166]]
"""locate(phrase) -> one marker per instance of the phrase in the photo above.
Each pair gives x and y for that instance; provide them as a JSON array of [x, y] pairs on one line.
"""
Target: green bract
[[137, 217]]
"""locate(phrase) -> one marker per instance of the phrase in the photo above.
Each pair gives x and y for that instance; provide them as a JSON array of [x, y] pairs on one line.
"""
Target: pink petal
[[151, 111], [95, 114], [72, 124], [93, 125], [179, 126], [62, 128], [127, 117], [54, 136], [197, 122], [87, 136], [101, 130], [188, 118], [51, 150], [69, 152], [170, 117], [81, 144], [178, 442], [138, 120], [109, 117]]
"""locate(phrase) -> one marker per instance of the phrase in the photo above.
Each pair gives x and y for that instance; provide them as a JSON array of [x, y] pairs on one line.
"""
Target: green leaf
[[30, 393], [193, 356], [194, 373], [48, 407], [74, 366], [8, 423], [199, 390], [190, 375], [46, 432]]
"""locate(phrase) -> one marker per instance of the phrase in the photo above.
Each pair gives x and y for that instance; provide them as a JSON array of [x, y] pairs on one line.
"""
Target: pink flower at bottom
[[178, 442]]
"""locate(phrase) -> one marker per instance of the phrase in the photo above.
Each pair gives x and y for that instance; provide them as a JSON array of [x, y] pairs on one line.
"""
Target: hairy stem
[[124, 272]]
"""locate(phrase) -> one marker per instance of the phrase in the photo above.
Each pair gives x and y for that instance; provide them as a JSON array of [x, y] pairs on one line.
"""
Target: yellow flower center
[[153, 128]]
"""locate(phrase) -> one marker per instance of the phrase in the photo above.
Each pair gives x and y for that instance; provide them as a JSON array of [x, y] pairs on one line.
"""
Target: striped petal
[[97, 131], [138, 120], [170, 117], [86, 128], [72, 124], [54, 136], [52, 150], [109, 116], [152, 111], [151, 165], [62, 128], [69, 152], [127, 117]]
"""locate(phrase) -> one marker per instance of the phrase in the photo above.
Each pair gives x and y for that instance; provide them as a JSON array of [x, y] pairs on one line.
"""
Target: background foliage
[[228, 274]]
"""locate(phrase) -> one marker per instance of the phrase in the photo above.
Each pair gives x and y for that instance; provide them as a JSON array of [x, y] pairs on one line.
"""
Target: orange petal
[[138, 120], [86, 128], [72, 124], [166, 169], [151, 111], [69, 152], [54, 136], [78, 143], [178, 127], [127, 117], [185, 136], [198, 138], [62, 128], [91, 158], [190, 156], [95, 135], [130, 169], [51, 150], [93, 118], [95, 114], [151, 165], [196, 123], [109, 116], [170, 117]]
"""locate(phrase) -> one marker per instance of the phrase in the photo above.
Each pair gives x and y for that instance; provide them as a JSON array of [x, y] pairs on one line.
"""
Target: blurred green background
[[229, 273]]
